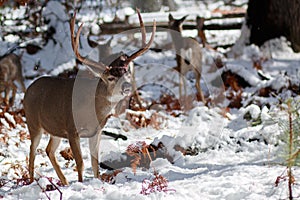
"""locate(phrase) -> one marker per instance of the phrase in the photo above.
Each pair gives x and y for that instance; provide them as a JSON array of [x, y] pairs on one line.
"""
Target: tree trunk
[[269, 19]]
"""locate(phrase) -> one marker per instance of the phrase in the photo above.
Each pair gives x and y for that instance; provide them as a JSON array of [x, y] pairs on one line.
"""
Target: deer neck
[[178, 39], [105, 100]]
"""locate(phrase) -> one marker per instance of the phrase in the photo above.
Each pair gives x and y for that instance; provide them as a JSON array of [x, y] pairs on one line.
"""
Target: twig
[[44, 190]]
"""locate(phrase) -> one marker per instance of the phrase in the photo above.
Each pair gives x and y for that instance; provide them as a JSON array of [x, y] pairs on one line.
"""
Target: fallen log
[[115, 28]]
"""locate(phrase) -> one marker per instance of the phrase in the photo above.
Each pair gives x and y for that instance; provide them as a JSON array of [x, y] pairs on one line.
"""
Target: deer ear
[[200, 22], [109, 41], [171, 18], [182, 19], [91, 42]]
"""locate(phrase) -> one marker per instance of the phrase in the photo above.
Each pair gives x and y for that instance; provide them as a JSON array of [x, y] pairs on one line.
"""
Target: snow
[[228, 154]]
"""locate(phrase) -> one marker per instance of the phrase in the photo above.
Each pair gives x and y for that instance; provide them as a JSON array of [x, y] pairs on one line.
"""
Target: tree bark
[[269, 19]]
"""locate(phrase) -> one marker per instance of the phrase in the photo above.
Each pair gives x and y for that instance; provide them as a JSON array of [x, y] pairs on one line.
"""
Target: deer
[[75, 108], [104, 50], [10, 71], [188, 56], [200, 29]]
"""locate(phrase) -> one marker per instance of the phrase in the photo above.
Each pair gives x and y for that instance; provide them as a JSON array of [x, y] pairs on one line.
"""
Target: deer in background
[[188, 56], [104, 50], [200, 29], [10, 71], [51, 105]]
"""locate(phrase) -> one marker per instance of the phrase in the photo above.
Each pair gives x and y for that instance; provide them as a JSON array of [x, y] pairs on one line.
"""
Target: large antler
[[75, 44], [145, 46], [100, 65]]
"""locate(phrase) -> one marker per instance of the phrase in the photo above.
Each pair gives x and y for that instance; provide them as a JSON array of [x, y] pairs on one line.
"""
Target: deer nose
[[126, 88]]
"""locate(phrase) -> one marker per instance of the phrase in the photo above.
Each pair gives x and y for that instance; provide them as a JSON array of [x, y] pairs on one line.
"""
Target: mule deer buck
[[188, 55], [10, 71], [77, 108]]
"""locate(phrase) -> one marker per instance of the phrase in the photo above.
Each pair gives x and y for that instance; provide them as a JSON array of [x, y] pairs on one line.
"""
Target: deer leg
[[184, 98], [184, 87], [35, 137], [1, 99], [180, 86], [94, 143], [134, 87], [13, 95], [6, 97], [74, 141], [50, 150], [178, 68], [21, 81], [183, 83], [200, 96]]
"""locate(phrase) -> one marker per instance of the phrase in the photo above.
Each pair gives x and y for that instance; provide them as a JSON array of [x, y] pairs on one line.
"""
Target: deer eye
[[111, 78]]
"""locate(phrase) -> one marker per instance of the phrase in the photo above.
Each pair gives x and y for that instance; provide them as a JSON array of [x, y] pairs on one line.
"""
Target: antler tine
[[145, 46], [143, 29], [75, 43]]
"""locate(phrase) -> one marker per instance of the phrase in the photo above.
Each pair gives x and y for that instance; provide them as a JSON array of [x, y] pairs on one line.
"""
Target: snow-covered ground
[[212, 152]]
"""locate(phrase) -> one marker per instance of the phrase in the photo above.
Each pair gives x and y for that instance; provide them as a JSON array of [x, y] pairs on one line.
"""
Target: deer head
[[176, 24], [119, 66]]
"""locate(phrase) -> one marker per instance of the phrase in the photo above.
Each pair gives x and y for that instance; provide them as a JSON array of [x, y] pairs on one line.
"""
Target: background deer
[[104, 49], [200, 29], [51, 105], [10, 71], [188, 56]]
